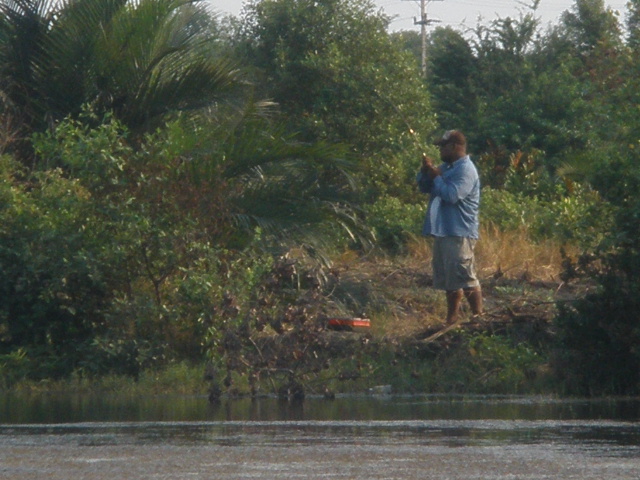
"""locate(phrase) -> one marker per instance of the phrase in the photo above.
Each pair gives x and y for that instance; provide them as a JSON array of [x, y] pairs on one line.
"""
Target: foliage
[[394, 221], [106, 248], [492, 91], [633, 24], [52, 301], [154, 210], [339, 76], [173, 378], [520, 89], [251, 174], [271, 332], [599, 341], [600, 336], [598, 349], [14, 367], [452, 69], [573, 213], [487, 363], [589, 24], [508, 211], [140, 60]]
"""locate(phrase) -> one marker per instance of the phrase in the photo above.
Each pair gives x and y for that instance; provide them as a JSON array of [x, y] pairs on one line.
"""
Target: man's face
[[448, 152]]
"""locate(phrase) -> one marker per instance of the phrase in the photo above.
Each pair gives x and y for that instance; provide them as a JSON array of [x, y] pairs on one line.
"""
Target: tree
[[589, 24], [633, 24], [599, 336], [113, 259], [497, 86], [452, 70], [597, 59], [338, 76], [507, 79], [140, 60], [515, 88], [157, 180], [411, 41]]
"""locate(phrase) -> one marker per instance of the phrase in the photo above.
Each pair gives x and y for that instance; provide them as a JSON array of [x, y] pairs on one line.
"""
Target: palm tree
[[245, 173], [139, 59]]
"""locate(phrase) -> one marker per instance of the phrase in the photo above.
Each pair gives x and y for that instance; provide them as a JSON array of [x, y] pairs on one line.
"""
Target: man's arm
[[456, 186]]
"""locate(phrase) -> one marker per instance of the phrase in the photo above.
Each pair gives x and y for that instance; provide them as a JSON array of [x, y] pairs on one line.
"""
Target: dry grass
[[513, 254], [498, 253], [399, 298]]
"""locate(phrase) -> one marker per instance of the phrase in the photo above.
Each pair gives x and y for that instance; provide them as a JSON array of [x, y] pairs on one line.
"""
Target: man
[[452, 219]]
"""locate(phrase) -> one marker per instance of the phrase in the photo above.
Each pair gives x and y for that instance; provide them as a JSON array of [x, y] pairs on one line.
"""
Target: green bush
[[599, 336], [14, 367], [580, 217], [394, 221], [506, 210], [484, 363], [599, 341], [87, 242], [52, 287]]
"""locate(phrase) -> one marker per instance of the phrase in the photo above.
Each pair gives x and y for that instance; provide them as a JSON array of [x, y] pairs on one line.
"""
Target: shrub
[[580, 217], [484, 363], [52, 289], [394, 221], [14, 366], [599, 336], [506, 210]]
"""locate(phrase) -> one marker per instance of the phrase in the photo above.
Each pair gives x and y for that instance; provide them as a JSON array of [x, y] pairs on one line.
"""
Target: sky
[[460, 14]]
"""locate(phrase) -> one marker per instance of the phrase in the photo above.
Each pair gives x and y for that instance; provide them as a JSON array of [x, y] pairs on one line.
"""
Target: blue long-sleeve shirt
[[455, 200]]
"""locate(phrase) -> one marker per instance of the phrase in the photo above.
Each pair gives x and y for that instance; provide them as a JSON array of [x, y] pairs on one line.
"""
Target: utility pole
[[423, 22]]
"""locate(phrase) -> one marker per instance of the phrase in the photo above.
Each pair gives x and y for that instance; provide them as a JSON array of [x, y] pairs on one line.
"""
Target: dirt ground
[[404, 304]]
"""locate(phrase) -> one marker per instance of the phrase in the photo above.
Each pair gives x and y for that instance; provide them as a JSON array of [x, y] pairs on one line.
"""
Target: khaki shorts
[[454, 265]]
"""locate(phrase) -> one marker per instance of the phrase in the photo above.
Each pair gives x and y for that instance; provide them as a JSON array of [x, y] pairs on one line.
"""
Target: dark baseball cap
[[451, 136]]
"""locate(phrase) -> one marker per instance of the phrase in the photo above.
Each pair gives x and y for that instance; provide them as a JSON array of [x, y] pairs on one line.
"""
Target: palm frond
[[157, 58], [23, 25], [64, 67], [288, 189], [138, 59]]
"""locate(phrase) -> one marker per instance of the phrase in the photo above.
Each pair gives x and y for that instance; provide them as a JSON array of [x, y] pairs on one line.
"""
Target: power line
[[466, 13]]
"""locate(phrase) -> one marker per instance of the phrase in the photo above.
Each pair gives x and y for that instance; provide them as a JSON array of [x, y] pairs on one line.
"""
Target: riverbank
[[406, 348]]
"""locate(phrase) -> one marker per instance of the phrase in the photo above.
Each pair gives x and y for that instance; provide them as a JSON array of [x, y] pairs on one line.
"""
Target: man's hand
[[428, 168]]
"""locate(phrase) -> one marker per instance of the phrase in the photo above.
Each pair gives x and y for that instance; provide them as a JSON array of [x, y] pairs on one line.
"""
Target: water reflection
[[451, 420], [354, 438], [64, 408]]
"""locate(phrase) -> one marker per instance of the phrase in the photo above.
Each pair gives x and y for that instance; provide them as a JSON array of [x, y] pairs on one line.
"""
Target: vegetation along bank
[[187, 200]]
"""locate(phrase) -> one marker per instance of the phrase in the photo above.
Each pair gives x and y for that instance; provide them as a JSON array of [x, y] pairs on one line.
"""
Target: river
[[352, 437]]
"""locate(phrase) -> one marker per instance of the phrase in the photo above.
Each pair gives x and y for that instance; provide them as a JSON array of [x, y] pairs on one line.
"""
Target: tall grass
[[515, 255], [510, 253]]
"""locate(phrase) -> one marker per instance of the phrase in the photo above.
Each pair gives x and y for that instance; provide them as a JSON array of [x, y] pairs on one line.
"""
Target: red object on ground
[[349, 323]]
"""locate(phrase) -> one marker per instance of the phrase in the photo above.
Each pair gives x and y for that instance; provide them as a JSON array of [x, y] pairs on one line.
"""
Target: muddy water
[[62, 437]]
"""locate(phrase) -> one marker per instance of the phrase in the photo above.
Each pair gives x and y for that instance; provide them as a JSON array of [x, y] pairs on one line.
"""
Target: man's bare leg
[[474, 297], [454, 298]]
